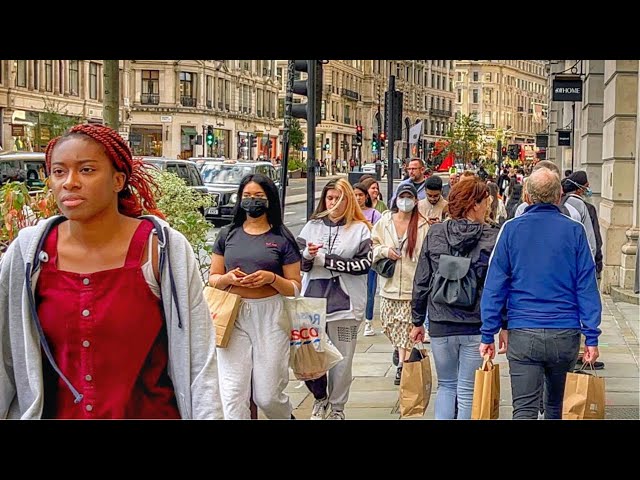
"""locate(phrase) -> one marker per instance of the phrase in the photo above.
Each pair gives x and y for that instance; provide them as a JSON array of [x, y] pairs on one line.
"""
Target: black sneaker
[[395, 358], [398, 376]]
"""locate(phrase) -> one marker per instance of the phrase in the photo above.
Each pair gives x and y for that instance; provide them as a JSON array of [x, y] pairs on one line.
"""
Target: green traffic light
[[209, 140]]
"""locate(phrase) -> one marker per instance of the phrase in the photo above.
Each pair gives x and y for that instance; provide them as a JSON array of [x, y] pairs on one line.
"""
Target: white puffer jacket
[[384, 237]]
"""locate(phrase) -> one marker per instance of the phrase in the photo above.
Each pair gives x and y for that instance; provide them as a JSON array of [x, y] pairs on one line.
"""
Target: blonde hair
[[352, 212]]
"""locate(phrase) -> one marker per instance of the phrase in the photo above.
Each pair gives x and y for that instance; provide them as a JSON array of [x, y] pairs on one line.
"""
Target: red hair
[[137, 195], [464, 195]]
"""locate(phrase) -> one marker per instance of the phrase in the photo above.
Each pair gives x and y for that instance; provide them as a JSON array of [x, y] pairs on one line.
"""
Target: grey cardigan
[[192, 353]]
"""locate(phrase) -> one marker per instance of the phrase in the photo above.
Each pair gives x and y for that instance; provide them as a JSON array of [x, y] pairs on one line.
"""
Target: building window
[[60, 76], [74, 83], [459, 76], [93, 80], [48, 75], [433, 80], [36, 74], [187, 98], [475, 95], [209, 91], [150, 87], [475, 76], [21, 77], [246, 64], [450, 85], [487, 77]]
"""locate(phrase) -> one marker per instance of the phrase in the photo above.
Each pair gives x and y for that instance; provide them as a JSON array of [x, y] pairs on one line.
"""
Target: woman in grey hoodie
[[113, 300]]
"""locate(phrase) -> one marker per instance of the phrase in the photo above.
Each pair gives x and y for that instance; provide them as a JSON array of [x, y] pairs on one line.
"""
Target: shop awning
[[189, 131]]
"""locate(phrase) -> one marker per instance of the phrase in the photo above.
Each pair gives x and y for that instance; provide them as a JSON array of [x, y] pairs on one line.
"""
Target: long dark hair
[[274, 211], [367, 198]]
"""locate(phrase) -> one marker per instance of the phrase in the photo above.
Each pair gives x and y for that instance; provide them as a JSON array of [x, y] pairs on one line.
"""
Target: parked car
[[200, 161], [28, 167], [184, 169], [222, 179]]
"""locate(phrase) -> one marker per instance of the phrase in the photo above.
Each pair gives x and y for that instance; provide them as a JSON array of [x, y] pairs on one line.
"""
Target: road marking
[[289, 213]]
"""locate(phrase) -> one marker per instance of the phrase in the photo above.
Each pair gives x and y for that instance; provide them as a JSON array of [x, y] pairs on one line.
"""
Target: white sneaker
[[368, 329], [319, 411], [336, 415]]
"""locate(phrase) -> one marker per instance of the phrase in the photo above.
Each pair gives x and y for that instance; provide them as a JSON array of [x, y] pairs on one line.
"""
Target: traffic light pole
[[311, 138], [288, 102], [499, 158], [388, 124]]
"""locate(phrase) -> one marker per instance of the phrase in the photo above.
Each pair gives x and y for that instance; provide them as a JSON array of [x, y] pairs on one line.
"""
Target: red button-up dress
[[107, 335]]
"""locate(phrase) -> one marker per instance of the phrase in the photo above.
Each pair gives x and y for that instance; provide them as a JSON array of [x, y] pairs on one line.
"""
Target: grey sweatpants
[[343, 334], [258, 350]]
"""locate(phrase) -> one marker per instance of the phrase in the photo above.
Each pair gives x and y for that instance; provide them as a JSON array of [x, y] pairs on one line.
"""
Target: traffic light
[[359, 135], [514, 151], [327, 145], [209, 135], [383, 138], [254, 142], [504, 152], [374, 143], [303, 87]]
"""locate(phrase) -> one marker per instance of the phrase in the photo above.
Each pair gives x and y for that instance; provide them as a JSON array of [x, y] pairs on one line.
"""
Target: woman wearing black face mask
[[258, 258]]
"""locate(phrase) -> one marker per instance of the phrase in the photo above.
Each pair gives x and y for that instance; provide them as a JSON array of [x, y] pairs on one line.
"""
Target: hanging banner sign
[[567, 88]]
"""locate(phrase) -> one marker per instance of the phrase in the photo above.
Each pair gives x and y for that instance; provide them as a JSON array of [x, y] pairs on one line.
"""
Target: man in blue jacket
[[542, 273]]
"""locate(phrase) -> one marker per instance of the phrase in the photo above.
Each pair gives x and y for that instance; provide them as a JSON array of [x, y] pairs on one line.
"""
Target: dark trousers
[[537, 357], [372, 285]]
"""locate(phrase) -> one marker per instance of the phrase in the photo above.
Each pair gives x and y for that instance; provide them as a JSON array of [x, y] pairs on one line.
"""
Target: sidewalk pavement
[[374, 396], [302, 198]]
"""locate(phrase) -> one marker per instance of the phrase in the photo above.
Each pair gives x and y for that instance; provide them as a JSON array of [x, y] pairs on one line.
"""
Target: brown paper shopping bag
[[415, 385], [486, 391], [224, 307], [584, 397]]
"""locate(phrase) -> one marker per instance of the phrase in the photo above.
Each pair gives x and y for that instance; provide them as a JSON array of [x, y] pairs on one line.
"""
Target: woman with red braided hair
[[113, 299]]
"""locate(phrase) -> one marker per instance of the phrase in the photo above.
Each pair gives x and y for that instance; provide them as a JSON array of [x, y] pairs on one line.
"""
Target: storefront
[[31, 131], [146, 140], [188, 135], [221, 143]]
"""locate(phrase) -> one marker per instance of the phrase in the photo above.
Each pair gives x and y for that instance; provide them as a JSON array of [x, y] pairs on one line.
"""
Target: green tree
[[296, 137], [183, 207], [53, 122], [466, 138]]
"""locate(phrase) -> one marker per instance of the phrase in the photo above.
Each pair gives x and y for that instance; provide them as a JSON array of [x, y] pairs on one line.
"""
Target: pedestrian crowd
[[103, 315]]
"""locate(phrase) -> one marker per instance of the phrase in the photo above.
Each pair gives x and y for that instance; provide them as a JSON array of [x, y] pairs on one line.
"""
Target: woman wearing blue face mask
[[257, 256], [399, 235]]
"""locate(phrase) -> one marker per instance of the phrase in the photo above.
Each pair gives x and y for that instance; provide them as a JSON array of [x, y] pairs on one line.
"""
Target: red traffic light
[[359, 128], [504, 151], [382, 136]]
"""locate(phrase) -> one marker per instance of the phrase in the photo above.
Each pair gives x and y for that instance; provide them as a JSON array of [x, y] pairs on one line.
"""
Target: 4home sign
[[567, 88]]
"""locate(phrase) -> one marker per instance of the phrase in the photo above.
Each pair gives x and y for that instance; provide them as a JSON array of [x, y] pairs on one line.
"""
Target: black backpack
[[454, 283]]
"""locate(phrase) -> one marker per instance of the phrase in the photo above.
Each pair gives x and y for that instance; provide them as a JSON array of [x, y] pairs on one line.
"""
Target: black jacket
[[469, 239]]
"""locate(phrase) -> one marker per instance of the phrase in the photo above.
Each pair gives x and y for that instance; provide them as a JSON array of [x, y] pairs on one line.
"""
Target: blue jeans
[[536, 355], [457, 358], [372, 285]]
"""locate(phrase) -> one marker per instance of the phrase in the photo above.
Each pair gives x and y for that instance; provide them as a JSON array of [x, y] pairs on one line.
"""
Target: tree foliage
[[183, 208], [466, 138], [296, 137]]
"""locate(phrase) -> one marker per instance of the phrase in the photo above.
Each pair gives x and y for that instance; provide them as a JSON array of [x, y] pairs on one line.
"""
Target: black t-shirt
[[268, 251]]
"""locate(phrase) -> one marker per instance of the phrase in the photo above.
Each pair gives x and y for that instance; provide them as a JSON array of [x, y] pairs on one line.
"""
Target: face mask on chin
[[255, 207]]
